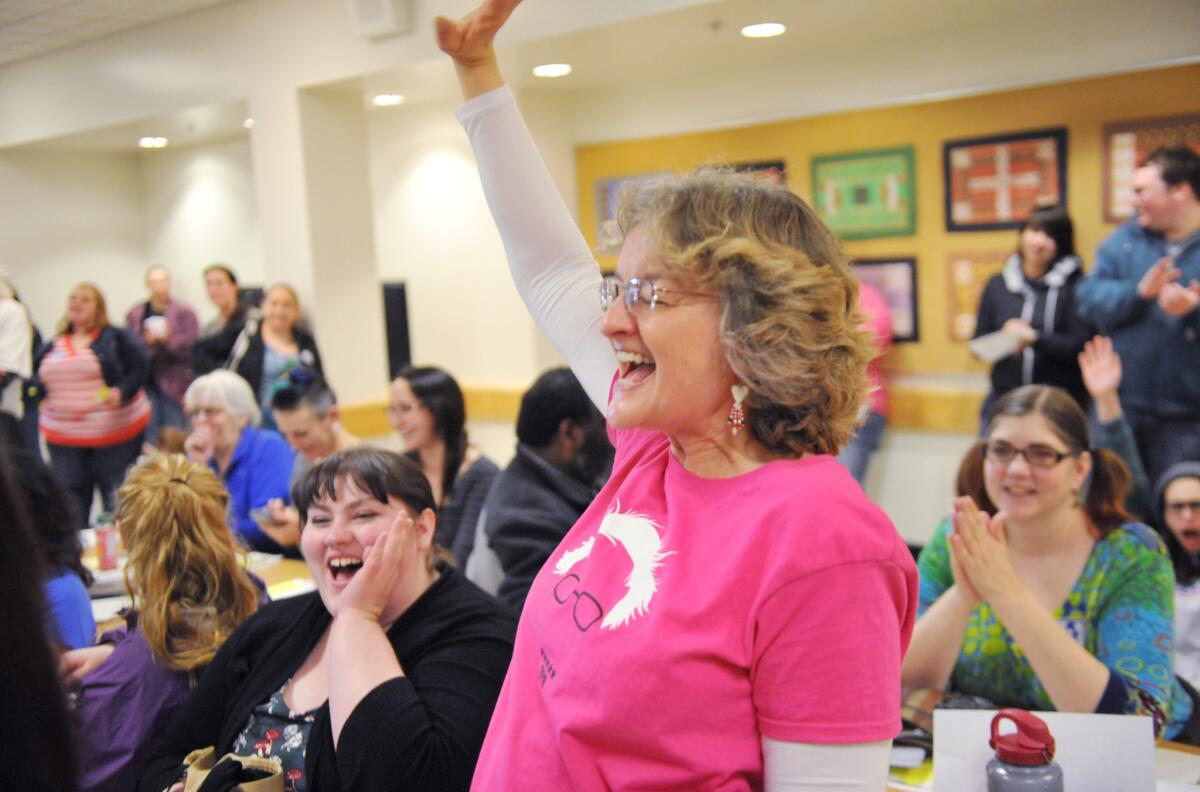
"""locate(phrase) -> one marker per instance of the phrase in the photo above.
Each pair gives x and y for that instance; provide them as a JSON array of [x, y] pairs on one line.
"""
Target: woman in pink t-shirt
[[731, 611]]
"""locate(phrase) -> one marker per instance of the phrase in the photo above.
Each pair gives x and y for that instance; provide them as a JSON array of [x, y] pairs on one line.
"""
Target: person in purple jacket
[[168, 329], [189, 592]]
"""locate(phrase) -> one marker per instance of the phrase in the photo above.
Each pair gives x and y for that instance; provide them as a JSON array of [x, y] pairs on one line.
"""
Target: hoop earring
[[737, 416]]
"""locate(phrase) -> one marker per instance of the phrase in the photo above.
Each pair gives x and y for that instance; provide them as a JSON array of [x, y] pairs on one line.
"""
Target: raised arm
[[551, 264]]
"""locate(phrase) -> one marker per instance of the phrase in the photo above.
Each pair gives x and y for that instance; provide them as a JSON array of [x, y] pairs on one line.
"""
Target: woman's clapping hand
[[979, 552]]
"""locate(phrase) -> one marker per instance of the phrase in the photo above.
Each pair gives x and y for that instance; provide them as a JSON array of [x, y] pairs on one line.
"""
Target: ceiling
[[835, 56], [34, 27]]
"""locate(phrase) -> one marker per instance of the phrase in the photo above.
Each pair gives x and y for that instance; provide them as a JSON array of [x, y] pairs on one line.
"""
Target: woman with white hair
[[255, 464]]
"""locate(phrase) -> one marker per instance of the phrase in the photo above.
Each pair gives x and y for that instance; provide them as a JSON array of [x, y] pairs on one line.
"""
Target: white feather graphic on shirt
[[639, 536], [572, 557]]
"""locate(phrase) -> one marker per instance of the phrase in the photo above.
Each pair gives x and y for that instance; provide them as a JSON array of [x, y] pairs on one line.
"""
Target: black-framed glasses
[[638, 293], [586, 609], [1179, 507], [1036, 455]]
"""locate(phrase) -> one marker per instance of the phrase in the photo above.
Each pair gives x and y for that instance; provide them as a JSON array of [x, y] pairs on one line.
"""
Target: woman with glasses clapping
[[1041, 592]]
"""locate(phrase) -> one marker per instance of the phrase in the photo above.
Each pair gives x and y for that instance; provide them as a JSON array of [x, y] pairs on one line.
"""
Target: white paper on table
[[994, 346], [1097, 753]]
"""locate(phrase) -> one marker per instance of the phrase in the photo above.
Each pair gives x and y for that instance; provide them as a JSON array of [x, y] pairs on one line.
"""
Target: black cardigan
[[1055, 353], [124, 364], [422, 731]]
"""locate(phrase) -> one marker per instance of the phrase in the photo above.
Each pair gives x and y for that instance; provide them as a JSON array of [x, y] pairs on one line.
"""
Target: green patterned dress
[[1121, 609]]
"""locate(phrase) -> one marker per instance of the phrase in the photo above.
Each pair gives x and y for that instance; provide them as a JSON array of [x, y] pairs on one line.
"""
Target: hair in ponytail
[[969, 479], [1110, 479], [1110, 483], [184, 572]]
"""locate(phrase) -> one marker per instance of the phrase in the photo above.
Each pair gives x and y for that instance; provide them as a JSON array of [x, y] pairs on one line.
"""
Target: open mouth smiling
[[634, 367], [342, 568]]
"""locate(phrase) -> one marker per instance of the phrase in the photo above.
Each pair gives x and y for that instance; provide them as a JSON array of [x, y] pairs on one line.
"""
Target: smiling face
[[341, 530], [410, 418], [1153, 203], [673, 376], [1024, 491], [1037, 251], [221, 290], [83, 309], [307, 432], [1181, 512], [280, 310], [217, 423]]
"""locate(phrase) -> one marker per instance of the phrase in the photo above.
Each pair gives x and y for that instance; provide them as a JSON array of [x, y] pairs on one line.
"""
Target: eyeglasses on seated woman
[[384, 677]]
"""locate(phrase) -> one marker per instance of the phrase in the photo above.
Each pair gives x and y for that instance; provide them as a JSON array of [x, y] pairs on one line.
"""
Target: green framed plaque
[[866, 194]]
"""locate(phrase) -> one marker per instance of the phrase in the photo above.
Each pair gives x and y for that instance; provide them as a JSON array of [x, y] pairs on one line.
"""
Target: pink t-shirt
[[684, 618]]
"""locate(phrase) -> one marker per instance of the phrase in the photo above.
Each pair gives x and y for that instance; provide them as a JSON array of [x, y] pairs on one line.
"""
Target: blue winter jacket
[[1160, 353]]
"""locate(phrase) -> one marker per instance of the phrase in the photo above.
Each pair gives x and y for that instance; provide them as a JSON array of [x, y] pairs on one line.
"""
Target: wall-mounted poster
[[996, 182], [773, 171], [866, 194], [1126, 144], [608, 194], [896, 280], [969, 273]]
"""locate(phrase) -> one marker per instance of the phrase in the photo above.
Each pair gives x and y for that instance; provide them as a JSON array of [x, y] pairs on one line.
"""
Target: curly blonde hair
[[790, 320], [184, 570]]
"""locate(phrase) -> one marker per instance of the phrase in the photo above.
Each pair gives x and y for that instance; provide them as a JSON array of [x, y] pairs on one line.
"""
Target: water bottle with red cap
[[1024, 759]]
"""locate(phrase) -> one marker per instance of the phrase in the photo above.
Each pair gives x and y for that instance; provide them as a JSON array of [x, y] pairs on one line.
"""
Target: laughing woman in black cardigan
[[384, 678]]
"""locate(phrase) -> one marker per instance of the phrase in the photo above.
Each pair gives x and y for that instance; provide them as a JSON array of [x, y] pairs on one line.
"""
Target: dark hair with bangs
[[1054, 222], [439, 393], [380, 473]]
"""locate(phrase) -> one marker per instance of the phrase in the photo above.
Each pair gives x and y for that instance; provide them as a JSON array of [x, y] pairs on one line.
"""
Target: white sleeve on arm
[[551, 264], [806, 767]]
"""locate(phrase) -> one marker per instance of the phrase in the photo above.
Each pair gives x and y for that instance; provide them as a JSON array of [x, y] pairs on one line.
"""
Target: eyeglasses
[[204, 412], [1038, 456], [638, 293], [1178, 508], [403, 408], [586, 609]]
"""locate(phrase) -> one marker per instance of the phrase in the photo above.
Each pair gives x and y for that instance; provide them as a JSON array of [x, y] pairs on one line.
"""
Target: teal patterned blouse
[[1121, 610]]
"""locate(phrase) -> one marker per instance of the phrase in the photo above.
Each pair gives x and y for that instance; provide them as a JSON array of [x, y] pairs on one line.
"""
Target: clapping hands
[[979, 552]]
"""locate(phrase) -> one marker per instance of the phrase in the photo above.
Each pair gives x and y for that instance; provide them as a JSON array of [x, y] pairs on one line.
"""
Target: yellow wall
[[1083, 107]]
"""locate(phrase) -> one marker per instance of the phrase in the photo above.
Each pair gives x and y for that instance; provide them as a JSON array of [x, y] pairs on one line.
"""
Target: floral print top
[[1120, 609], [277, 733]]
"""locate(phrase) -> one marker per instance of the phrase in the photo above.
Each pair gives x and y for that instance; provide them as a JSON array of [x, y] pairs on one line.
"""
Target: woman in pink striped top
[[95, 412]]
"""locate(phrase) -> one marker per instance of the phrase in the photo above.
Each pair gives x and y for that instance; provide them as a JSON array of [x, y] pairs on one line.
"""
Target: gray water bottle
[[1025, 759]]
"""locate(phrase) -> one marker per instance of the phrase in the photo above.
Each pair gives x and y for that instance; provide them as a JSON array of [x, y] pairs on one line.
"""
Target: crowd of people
[[675, 526]]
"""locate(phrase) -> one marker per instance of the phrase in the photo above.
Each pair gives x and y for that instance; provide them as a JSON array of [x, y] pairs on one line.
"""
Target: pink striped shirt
[[76, 411]]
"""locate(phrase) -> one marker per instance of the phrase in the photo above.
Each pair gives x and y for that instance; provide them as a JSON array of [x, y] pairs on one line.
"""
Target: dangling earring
[[1078, 498], [737, 416]]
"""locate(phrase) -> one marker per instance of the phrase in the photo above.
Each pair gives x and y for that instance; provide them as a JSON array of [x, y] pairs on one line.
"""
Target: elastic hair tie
[[179, 481]]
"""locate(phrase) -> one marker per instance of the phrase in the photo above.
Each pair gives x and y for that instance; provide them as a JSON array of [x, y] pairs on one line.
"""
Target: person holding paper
[[1031, 304], [1041, 592]]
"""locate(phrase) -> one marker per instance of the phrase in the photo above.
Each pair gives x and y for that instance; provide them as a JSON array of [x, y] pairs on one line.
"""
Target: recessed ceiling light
[[764, 30], [152, 142], [248, 123], [387, 100], [552, 70]]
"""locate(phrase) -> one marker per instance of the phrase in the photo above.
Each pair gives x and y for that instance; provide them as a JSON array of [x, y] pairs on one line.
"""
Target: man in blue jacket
[[1144, 292]]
